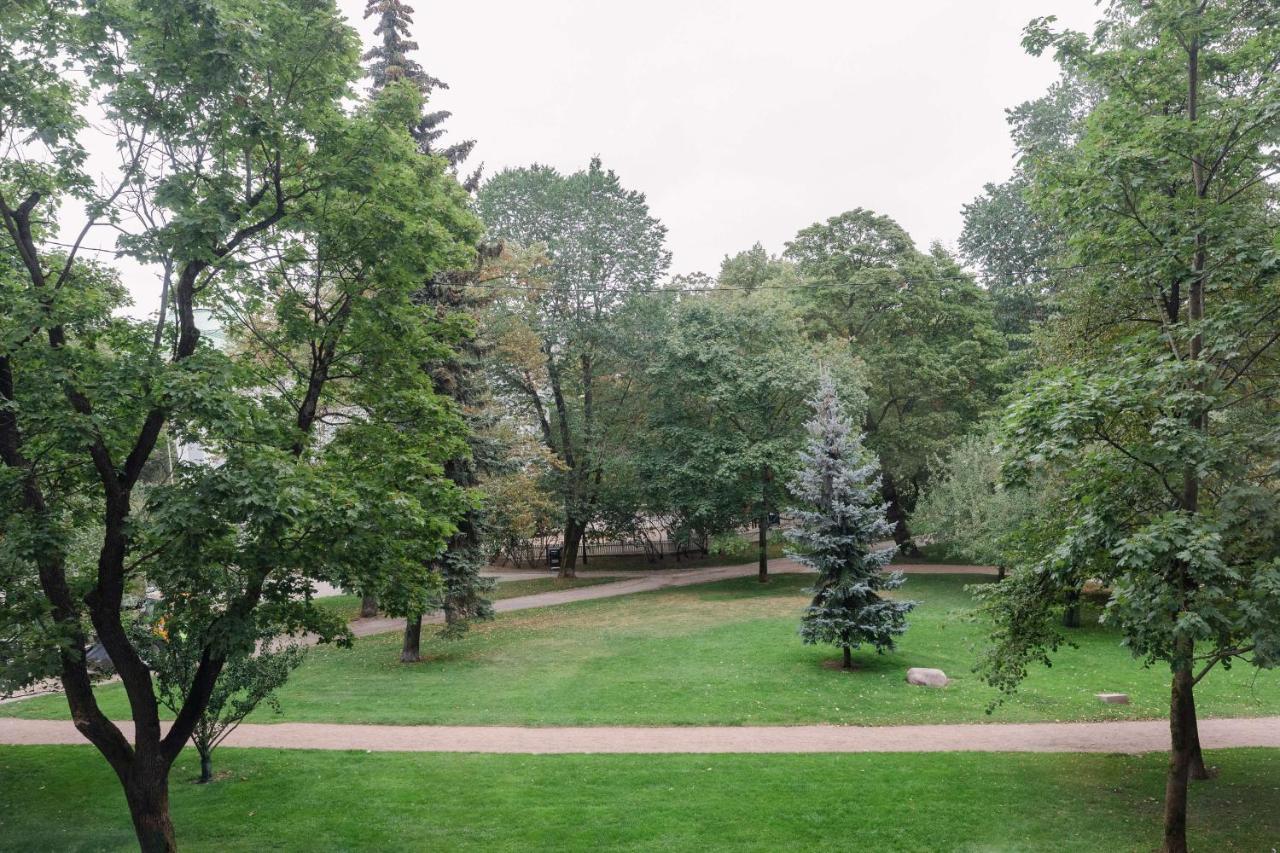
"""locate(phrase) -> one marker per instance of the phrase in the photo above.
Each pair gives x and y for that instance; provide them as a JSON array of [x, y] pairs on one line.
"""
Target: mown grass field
[[716, 654], [66, 799]]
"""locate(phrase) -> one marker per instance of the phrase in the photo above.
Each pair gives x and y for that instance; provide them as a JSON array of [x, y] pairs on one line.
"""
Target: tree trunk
[[206, 767], [765, 476], [1182, 749], [1000, 573], [896, 514], [848, 658], [764, 548], [368, 607], [1199, 771], [1071, 616], [146, 789], [411, 651], [573, 530]]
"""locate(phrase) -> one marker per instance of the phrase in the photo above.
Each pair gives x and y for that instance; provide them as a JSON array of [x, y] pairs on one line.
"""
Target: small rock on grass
[[926, 677]]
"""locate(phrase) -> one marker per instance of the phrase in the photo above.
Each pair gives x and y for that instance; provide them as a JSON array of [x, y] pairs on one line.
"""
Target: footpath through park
[[646, 582]]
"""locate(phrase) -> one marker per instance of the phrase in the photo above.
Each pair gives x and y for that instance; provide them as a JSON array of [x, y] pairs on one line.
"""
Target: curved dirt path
[[647, 582], [1109, 737]]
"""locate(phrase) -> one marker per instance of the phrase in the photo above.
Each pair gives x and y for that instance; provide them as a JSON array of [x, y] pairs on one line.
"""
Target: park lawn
[[64, 798], [715, 654], [348, 606]]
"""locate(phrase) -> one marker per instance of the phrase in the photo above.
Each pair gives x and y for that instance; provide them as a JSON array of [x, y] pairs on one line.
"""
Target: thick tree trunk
[[368, 606], [896, 514], [848, 658], [146, 789], [1182, 748], [573, 530], [1071, 616], [411, 651]]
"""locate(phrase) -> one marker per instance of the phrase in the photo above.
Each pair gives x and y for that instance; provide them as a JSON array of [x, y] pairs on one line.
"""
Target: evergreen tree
[[838, 485], [389, 61]]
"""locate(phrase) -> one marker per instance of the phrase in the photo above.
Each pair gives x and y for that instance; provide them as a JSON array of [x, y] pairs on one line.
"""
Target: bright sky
[[746, 120], [742, 120]]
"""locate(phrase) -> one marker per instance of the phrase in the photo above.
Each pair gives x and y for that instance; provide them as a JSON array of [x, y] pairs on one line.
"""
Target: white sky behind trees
[[746, 120], [742, 120]]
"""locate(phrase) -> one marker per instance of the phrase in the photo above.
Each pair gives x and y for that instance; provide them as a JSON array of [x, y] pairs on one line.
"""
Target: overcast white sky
[[746, 120], [742, 120]]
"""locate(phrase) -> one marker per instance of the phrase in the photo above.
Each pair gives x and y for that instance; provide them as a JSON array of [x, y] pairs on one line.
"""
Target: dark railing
[[652, 550]]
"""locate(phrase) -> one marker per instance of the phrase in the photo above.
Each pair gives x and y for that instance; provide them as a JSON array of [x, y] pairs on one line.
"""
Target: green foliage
[[972, 513], [923, 331], [724, 417], [248, 681], [272, 211], [1156, 414], [560, 356], [841, 519]]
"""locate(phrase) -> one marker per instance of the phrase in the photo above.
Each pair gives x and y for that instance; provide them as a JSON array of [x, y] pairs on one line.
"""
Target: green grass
[[936, 553], [715, 654], [65, 799], [348, 606]]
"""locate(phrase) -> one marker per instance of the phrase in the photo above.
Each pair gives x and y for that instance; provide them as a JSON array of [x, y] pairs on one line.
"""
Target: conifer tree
[[841, 519], [463, 598], [390, 61]]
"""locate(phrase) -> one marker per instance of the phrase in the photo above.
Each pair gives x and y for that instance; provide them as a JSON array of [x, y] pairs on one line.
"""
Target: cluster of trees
[[419, 370], [683, 402], [319, 230], [1141, 256]]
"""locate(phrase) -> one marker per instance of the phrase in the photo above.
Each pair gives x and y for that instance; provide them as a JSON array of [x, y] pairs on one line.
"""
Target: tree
[[247, 681], [304, 227], [457, 377], [724, 418], [970, 509], [1158, 404], [923, 330], [391, 61], [601, 247], [755, 268], [1015, 245], [841, 518]]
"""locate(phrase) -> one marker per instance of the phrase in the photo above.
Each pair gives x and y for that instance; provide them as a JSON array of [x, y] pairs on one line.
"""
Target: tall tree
[[725, 419], [924, 331], [841, 518], [259, 201], [449, 293], [601, 246], [1159, 405], [391, 60]]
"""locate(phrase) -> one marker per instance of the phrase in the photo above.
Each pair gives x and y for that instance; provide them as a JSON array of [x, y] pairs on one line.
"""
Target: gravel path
[[647, 582], [1109, 737]]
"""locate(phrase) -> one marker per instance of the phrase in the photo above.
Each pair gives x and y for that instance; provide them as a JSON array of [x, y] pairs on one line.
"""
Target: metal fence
[[652, 550]]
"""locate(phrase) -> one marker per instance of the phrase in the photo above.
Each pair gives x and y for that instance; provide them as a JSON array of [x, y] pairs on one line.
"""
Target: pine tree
[[390, 61], [841, 519]]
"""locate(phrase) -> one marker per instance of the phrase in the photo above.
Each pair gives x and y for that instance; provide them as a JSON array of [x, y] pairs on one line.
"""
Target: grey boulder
[[926, 677]]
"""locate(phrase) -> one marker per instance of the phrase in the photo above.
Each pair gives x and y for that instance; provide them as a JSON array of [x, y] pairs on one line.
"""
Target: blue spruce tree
[[841, 518]]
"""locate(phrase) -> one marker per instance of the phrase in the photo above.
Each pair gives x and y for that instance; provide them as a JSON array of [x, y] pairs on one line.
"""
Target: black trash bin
[[553, 557]]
